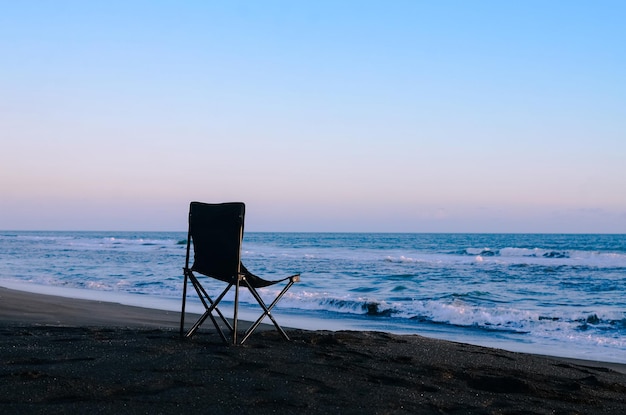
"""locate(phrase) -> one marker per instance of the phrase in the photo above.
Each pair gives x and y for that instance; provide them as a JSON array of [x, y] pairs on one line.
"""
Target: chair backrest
[[216, 231]]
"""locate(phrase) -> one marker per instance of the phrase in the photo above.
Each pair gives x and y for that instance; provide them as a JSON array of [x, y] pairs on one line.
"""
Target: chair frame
[[211, 305]]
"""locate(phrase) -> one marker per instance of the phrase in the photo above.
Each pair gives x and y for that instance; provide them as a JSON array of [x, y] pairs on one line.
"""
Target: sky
[[346, 116]]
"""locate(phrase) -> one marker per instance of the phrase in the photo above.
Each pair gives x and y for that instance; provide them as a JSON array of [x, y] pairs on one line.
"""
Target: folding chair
[[216, 233]]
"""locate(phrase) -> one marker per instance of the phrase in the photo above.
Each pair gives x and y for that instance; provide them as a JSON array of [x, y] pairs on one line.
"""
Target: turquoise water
[[551, 294]]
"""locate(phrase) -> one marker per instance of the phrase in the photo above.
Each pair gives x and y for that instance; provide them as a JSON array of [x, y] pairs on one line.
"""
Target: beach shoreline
[[19, 306], [61, 354]]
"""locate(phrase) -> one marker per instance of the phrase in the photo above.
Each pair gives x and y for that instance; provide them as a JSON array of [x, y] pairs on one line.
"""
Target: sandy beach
[[60, 355]]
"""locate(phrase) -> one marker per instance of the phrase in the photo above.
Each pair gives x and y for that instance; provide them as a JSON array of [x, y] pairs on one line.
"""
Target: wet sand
[[60, 355]]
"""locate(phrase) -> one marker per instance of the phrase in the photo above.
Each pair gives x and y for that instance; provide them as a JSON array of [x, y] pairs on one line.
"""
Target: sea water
[[561, 295]]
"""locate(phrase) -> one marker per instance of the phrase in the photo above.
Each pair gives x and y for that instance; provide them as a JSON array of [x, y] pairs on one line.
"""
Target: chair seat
[[254, 280]]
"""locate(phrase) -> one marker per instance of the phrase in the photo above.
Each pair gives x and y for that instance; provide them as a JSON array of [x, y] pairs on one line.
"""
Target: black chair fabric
[[216, 232]]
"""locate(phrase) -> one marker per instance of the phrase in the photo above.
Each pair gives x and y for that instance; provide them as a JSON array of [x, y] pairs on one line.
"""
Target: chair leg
[[209, 305], [267, 311], [202, 294], [209, 314], [236, 309], [182, 313]]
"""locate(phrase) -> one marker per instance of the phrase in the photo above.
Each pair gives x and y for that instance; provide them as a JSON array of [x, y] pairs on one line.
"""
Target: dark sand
[[60, 355]]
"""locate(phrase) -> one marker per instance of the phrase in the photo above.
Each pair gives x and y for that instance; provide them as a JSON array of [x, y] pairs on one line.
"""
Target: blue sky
[[415, 116]]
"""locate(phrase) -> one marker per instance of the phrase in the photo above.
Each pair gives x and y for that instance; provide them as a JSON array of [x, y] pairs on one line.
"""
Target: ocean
[[560, 295]]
